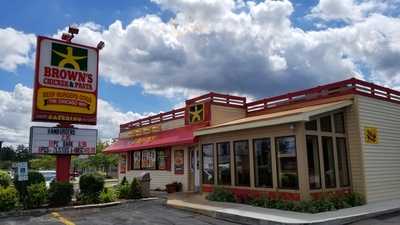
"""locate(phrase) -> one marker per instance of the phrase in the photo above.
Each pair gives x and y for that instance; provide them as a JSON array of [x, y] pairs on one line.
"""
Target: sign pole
[[63, 162]]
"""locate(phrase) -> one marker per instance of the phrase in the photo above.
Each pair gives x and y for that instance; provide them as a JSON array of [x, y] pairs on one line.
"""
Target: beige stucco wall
[[159, 178], [382, 160], [223, 114]]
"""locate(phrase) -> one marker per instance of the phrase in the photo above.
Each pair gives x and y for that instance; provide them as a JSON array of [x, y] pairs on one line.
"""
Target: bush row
[[32, 193], [327, 202]]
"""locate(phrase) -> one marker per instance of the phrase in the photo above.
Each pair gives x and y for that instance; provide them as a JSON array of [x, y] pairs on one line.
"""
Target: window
[[342, 162], [314, 174], [242, 163], [262, 162], [339, 122], [208, 164], [136, 160], [161, 160], [287, 162], [329, 162], [311, 125], [223, 163], [149, 159], [326, 125]]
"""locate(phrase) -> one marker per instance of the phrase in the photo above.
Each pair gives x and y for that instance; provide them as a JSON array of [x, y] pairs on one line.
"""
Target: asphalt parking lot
[[144, 212], [388, 219]]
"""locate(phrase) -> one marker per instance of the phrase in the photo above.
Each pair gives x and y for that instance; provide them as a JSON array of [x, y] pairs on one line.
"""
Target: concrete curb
[[42, 211], [242, 219]]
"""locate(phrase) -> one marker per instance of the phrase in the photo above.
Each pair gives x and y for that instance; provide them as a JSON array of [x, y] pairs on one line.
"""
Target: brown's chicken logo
[[196, 113], [371, 135]]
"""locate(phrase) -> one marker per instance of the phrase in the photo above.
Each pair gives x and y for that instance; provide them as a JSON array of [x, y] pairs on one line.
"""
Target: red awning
[[177, 136]]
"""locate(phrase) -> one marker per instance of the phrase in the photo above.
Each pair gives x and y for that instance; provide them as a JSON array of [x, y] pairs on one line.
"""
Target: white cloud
[[350, 10], [15, 48], [15, 117]]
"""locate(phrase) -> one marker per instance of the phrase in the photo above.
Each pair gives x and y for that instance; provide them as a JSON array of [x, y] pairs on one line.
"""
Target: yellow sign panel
[[371, 135], [58, 100]]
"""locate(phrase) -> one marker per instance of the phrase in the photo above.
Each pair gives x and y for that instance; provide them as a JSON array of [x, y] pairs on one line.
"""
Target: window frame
[[157, 150], [334, 135], [319, 163], [255, 162], [235, 163], [217, 165], [277, 158], [202, 164]]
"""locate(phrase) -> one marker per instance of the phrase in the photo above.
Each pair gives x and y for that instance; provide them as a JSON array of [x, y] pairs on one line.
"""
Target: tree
[[45, 162], [98, 162]]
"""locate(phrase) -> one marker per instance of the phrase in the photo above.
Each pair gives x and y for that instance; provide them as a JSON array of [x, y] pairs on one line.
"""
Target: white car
[[49, 176]]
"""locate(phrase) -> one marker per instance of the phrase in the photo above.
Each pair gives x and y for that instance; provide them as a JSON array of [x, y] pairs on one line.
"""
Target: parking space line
[[61, 218]]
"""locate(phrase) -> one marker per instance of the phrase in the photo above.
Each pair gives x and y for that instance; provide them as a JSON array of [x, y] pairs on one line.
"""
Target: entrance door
[[194, 169]]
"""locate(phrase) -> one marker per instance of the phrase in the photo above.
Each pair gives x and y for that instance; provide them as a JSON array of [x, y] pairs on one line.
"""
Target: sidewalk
[[246, 214]]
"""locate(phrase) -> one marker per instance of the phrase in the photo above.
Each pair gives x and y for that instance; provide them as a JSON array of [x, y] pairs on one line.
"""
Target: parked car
[[49, 176]]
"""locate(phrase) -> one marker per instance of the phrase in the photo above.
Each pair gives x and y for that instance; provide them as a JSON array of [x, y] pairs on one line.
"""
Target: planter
[[171, 188]]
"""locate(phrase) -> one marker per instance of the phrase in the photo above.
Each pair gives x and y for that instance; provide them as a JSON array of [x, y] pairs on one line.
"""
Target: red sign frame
[[39, 115]]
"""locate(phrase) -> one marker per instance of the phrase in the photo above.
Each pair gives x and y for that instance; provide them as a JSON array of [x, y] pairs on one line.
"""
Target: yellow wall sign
[[58, 100], [371, 135], [196, 113]]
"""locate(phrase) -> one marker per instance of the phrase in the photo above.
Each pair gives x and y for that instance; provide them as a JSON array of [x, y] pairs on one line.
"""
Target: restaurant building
[[339, 137]]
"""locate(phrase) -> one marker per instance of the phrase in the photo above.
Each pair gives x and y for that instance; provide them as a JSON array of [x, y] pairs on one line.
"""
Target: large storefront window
[[329, 162], [152, 159], [223, 163], [242, 163], [262, 162], [208, 164], [287, 162], [342, 162], [314, 174]]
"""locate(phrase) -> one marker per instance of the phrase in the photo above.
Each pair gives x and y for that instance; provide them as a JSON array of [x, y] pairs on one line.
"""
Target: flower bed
[[327, 202]]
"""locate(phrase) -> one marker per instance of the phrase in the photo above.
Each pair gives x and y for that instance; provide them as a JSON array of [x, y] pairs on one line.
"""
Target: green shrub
[[34, 177], [135, 191], [60, 193], [5, 179], [90, 186], [124, 181], [123, 191], [36, 195], [220, 194], [353, 199], [8, 198], [108, 195]]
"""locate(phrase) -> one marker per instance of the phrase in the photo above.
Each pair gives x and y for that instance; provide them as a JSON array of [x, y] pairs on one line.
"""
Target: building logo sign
[[65, 82], [196, 113], [371, 135]]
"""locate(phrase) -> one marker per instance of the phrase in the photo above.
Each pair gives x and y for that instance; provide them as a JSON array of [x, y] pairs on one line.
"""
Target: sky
[[160, 52]]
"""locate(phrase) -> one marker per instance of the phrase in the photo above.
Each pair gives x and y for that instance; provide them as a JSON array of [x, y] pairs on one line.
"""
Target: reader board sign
[[56, 140], [66, 78]]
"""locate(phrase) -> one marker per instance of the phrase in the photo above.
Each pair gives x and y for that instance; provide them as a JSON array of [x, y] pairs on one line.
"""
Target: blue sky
[[160, 52]]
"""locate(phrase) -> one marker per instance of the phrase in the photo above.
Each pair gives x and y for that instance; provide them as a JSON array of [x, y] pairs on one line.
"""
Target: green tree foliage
[[99, 162], [45, 162]]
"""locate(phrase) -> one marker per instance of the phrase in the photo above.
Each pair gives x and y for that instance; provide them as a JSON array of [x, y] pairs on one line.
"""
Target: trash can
[[145, 181]]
